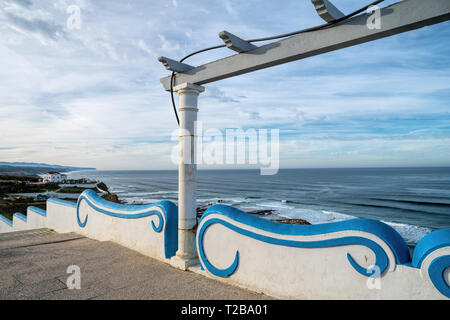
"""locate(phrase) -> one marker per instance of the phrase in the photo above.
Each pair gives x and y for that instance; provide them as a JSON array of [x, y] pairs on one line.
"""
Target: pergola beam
[[400, 17], [236, 43], [326, 10], [173, 65]]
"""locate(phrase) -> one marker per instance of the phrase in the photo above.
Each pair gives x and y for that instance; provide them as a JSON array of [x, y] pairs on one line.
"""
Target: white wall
[[130, 226], [290, 272], [35, 219], [53, 178], [149, 229], [273, 258], [5, 225], [61, 216]]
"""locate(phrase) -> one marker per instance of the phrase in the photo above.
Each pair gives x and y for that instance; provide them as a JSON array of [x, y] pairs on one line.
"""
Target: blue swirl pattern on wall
[[6, 220], [433, 241], [379, 229], [169, 209]]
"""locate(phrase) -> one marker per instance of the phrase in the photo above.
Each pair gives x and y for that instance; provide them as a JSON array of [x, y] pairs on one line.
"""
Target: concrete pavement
[[34, 265]]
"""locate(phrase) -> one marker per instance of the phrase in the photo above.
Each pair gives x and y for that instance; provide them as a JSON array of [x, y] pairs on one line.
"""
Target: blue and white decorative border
[[6, 220], [37, 210], [349, 232], [166, 211], [20, 216], [62, 202], [432, 253], [435, 246]]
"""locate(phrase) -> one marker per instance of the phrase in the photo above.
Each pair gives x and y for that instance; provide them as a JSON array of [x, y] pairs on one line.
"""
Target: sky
[[89, 94]]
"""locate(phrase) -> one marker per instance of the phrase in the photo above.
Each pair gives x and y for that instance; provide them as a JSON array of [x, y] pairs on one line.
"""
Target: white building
[[53, 177]]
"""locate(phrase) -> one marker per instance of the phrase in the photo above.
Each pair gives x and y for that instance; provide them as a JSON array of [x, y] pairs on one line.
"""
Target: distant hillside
[[31, 169]]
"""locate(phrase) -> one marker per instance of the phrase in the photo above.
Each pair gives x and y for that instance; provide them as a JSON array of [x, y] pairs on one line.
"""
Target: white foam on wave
[[283, 209], [412, 234], [275, 205], [311, 215], [337, 216], [163, 192], [207, 201], [135, 194], [432, 191], [139, 200]]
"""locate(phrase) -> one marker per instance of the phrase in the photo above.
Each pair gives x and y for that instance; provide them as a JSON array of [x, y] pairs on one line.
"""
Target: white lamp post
[[186, 255]]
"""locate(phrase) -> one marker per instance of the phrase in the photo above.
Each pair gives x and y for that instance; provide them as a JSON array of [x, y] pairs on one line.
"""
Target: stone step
[[34, 237]]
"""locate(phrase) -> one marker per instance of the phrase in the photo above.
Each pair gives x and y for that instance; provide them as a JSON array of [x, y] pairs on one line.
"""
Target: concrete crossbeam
[[397, 18]]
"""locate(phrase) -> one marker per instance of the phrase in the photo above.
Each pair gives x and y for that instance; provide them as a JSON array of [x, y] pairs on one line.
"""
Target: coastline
[[317, 196]]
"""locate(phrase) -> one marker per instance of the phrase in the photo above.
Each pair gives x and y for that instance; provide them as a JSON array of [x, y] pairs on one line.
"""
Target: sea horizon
[[412, 200], [303, 168]]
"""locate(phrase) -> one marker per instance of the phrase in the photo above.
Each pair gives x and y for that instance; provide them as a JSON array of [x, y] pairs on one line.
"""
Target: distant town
[[31, 184]]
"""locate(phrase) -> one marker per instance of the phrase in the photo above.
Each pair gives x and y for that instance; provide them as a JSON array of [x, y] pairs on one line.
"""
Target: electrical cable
[[319, 27]]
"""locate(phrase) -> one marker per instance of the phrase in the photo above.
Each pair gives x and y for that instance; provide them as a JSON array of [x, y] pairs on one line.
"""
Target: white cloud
[[215, 93], [36, 23], [304, 117], [22, 3], [144, 46], [168, 46], [251, 115], [229, 8], [92, 96], [62, 5]]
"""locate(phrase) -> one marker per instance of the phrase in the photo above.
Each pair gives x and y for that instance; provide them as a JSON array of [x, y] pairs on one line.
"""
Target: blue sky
[[92, 96]]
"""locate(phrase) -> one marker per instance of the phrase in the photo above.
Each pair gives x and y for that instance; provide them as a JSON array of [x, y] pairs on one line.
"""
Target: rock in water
[[292, 221], [264, 212], [112, 197]]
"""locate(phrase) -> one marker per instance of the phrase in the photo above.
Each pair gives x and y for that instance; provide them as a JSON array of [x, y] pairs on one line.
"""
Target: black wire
[[322, 26], [172, 78]]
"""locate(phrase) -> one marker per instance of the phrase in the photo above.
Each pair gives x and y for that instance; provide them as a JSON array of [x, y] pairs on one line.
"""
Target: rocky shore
[[201, 209], [8, 206], [264, 212]]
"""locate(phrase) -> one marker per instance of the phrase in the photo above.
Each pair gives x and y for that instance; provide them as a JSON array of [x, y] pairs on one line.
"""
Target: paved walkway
[[34, 265]]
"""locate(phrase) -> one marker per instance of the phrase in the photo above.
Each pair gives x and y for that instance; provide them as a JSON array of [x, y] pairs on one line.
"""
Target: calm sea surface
[[414, 201]]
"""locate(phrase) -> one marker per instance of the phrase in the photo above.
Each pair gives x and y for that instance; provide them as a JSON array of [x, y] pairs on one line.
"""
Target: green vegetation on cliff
[[24, 185], [18, 186]]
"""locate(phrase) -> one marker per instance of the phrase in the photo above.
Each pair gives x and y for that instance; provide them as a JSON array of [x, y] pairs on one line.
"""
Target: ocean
[[414, 201]]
